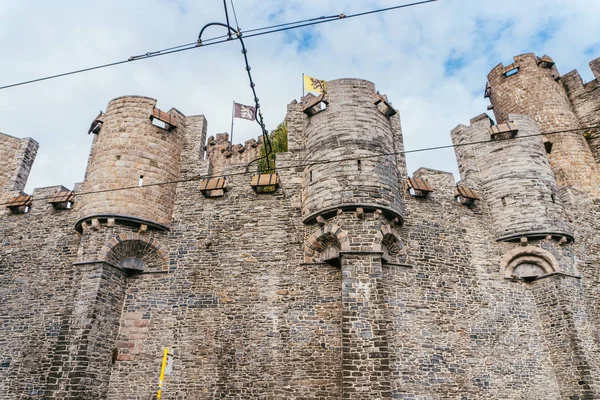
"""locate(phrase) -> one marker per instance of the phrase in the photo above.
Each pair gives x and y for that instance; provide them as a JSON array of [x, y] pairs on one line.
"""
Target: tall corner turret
[[532, 86]]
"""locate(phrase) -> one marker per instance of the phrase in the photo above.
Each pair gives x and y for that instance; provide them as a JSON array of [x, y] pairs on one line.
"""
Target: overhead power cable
[[224, 38], [328, 161]]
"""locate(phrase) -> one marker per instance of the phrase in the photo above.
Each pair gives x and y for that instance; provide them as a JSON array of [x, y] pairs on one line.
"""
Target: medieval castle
[[338, 277]]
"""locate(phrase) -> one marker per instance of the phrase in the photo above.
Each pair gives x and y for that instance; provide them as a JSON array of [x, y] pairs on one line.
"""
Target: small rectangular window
[[141, 181], [163, 119]]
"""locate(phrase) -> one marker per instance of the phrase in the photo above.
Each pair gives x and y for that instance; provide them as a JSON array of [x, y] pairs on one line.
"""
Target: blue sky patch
[[305, 40], [454, 64]]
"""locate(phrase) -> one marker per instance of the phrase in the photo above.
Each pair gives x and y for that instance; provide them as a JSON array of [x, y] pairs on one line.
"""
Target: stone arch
[[325, 245], [528, 261], [387, 240], [135, 254]]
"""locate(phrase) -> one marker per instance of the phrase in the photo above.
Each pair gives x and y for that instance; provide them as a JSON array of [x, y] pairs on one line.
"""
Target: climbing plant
[[279, 143]]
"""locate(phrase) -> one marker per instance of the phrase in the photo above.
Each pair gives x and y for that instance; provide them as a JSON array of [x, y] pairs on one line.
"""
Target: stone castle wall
[[515, 178], [585, 99], [442, 298], [351, 127], [16, 159], [130, 151], [534, 90]]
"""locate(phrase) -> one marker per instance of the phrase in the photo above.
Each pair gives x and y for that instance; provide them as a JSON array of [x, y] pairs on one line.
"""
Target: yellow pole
[[162, 372]]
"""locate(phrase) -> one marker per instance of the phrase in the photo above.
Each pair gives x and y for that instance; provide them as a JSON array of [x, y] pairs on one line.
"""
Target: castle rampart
[[221, 153], [16, 159], [353, 287], [585, 99]]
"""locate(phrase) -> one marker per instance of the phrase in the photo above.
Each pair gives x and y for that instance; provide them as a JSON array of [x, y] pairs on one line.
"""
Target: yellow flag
[[314, 85]]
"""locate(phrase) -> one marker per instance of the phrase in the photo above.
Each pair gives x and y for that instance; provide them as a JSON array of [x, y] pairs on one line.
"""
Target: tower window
[[548, 146], [141, 181], [310, 176], [511, 70], [358, 165]]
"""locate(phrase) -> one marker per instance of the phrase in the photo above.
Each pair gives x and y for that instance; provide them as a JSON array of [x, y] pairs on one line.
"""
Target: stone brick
[[345, 286]]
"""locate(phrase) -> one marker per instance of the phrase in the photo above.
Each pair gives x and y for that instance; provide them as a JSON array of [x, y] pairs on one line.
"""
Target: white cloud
[[405, 52]]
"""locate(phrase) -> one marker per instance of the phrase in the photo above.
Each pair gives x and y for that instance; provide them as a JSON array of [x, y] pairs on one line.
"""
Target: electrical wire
[[237, 24], [215, 40], [259, 120], [328, 161]]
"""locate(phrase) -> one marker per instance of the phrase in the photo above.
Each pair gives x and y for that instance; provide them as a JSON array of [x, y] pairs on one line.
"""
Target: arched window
[[528, 263], [135, 254]]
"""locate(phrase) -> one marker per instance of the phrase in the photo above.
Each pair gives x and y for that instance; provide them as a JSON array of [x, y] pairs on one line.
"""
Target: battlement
[[221, 153], [527, 61], [573, 82], [347, 278], [16, 159], [585, 101]]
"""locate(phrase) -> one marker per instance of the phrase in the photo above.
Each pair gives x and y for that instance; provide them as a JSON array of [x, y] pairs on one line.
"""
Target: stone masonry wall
[[350, 127], [585, 99], [129, 148], [534, 91], [221, 153], [514, 176], [255, 300], [37, 292], [458, 330], [16, 159]]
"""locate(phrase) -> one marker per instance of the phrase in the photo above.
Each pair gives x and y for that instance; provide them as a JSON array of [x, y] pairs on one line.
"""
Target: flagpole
[[232, 115], [303, 84]]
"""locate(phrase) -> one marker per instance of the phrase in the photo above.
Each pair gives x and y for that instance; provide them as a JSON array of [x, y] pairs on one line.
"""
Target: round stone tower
[[516, 178], [130, 152], [531, 86], [352, 127]]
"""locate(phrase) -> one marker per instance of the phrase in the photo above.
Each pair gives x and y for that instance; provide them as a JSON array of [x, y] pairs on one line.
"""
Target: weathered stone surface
[[538, 92], [343, 287]]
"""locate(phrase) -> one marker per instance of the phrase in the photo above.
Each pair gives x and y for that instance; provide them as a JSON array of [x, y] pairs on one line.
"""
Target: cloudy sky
[[431, 61]]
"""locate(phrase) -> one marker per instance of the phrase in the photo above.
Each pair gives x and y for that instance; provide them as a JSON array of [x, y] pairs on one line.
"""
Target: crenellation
[[535, 90], [595, 67], [337, 284], [441, 182], [221, 153], [585, 100], [16, 160]]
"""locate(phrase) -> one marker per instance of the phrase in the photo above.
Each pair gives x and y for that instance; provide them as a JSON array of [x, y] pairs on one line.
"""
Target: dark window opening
[[504, 201], [548, 146], [553, 198], [310, 177], [358, 164]]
